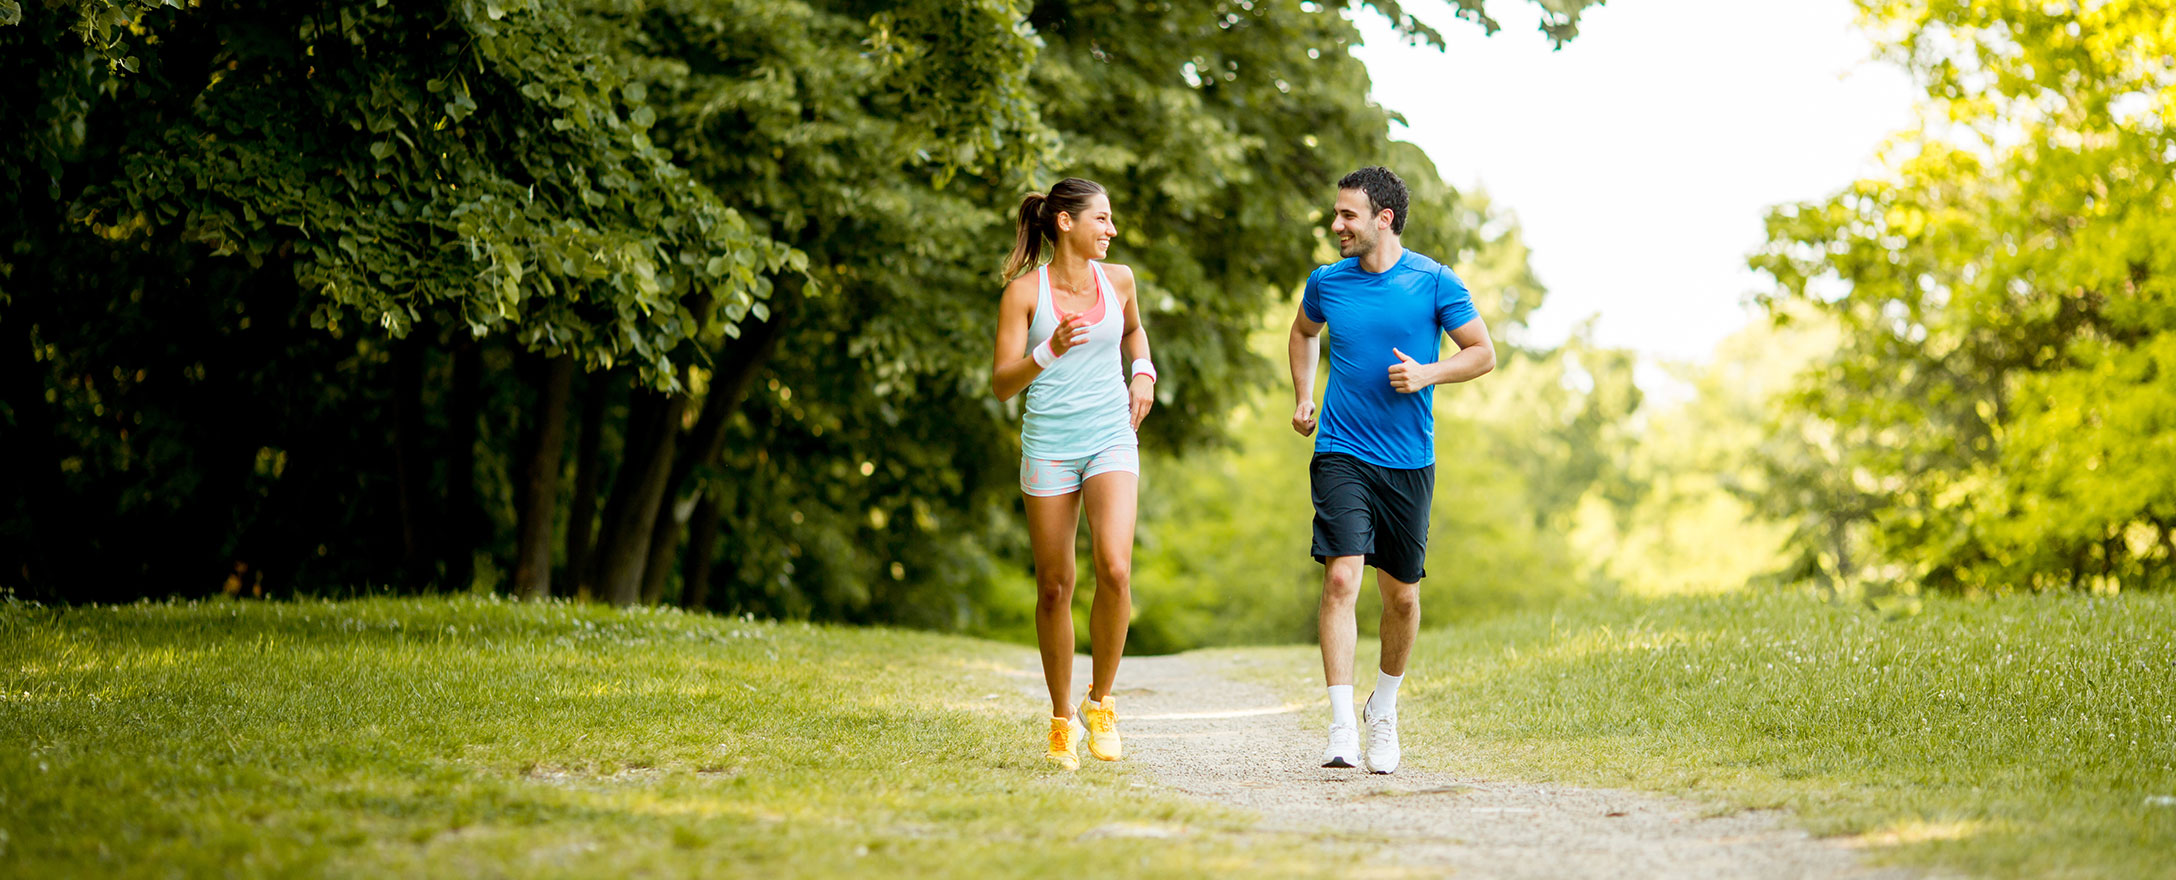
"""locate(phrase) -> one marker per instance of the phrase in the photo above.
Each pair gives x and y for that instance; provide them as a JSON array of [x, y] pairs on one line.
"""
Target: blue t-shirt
[[1407, 308]]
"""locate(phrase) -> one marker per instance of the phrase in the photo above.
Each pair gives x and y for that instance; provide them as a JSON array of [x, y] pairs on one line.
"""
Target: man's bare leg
[[1338, 632], [1400, 627], [1401, 621], [1335, 624]]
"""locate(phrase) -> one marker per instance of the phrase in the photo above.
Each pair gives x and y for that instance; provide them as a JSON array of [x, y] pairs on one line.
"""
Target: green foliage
[[1559, 18], [479, 162], [455, 738], [1219, 131], [1998, 414], [857, 476], [2025, 736], [221, 213], [275, 266], [1700, 467]]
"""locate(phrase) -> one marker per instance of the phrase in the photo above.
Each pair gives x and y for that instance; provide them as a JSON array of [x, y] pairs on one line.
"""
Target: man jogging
[[1373, 473]]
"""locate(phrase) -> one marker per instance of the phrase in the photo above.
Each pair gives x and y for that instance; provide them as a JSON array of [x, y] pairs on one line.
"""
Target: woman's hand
[[1144, 397], [1072, 330]]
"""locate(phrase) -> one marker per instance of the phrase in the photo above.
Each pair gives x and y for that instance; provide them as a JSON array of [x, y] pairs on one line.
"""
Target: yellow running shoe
[[1102, 727], [1064, 736]]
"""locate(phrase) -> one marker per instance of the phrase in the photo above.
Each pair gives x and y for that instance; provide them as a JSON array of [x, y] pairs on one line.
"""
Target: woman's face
[[1089, 233]]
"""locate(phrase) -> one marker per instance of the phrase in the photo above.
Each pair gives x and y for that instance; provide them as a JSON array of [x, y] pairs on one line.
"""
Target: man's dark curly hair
[[1384, 190]]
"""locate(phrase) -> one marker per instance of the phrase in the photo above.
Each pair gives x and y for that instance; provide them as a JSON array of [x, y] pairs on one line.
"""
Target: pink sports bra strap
[[1104, 293]]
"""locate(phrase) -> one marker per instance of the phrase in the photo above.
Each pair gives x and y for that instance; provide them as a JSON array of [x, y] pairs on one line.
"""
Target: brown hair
[[1384, 190], [1039, 220]]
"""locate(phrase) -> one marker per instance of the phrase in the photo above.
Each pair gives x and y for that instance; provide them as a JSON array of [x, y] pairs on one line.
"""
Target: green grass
[[2013, 737], [469, 737]]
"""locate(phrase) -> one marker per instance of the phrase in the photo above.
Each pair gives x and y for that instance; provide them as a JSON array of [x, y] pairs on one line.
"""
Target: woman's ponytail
[[1027, 244]]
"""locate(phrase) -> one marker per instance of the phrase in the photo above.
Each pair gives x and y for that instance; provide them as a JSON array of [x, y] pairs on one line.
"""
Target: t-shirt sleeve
[[1454, 306], [1311, 300]]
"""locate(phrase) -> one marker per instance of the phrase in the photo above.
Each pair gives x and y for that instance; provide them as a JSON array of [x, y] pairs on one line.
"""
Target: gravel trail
[[1202, 733]]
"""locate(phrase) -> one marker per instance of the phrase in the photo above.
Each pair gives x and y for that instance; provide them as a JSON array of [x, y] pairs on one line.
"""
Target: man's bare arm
[[1305, 351], [1475, 358]]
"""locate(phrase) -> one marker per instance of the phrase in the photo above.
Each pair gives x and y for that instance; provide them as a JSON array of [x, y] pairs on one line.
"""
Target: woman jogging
[[1060, 330]]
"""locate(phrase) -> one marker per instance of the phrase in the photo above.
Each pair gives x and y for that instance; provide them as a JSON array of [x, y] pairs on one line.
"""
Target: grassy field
[[2015, 737], [2009, 738], [469, 737]]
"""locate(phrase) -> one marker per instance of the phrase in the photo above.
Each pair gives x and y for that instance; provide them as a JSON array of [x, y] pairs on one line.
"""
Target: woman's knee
[[1114, 576], [1054, 589]]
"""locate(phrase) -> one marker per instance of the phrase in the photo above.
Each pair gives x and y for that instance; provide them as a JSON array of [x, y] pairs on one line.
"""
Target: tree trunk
[[702, 532], [546, 446], [632, 512], [729, 385], [665, 540], [464, 515], [411, 476], [635, 442], [582, 518], [736, 373]]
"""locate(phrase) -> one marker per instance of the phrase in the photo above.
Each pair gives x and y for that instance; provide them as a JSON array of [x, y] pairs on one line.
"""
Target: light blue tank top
[[1078, 406]]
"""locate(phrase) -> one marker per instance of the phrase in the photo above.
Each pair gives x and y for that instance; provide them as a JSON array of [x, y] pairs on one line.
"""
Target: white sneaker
[[1382, 740], [1344, 750]]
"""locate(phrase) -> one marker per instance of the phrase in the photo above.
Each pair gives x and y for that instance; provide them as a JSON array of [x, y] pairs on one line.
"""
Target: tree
[[1712, 506], [1999, 411], [1218, 128], [288, 277], [463, 171]]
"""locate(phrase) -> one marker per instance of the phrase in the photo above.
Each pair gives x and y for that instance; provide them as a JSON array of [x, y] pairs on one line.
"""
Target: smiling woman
[[1077, 438]]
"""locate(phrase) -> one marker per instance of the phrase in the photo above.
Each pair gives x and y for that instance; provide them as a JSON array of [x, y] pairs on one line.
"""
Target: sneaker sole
[[1340, 762]]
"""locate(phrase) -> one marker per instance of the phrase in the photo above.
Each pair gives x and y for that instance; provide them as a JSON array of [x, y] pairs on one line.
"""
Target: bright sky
[[1641, 158]]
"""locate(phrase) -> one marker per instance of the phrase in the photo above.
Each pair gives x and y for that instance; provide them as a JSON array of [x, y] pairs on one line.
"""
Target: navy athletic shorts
[[1367, 510]]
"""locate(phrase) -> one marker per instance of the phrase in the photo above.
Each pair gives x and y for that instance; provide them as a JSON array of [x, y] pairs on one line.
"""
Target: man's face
[[1357, 228]]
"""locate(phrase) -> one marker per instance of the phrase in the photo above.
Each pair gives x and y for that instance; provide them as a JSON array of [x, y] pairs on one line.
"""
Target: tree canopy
[[1998, 414], [329, 295]]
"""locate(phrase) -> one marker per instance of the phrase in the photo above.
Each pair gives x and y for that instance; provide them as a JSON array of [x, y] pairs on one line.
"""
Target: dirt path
[[1206, 735]]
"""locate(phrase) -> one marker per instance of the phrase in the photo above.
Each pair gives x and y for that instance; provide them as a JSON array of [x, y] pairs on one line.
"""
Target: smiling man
[[1373, 474]]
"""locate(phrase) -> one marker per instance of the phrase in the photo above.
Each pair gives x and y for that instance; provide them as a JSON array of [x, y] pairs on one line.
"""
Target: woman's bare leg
[[1053, 521], [1113, 501]]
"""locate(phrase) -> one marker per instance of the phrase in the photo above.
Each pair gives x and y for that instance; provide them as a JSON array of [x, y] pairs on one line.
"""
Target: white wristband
[[1042, 354], [1142, 367]]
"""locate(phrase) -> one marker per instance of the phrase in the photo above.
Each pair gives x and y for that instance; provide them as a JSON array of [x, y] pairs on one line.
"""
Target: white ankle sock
[[1384, 702], [1341, 705]]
